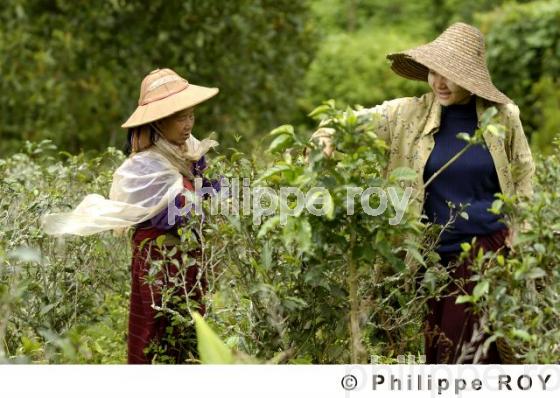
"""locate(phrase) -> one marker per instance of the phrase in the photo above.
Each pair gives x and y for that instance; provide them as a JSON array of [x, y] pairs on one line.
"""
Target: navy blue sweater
[[470, 179]]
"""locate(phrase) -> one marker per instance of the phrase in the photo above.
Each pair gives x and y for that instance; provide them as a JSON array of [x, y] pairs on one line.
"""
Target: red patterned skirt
[[449, 327], [148, 327]]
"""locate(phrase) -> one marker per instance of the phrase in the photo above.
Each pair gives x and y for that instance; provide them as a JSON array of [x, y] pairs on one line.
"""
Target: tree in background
[[351, 66], [71, 69], [352, 69], [524, 56]]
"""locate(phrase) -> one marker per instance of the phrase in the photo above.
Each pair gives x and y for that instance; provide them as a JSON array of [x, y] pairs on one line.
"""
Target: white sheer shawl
[[141, 188]]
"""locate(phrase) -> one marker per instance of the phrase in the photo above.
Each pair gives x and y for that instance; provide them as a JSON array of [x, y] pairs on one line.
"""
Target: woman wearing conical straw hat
[[421, 133], [147, 195]]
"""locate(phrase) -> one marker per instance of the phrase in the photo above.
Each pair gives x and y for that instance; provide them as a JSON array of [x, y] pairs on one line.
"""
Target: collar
[[434, 114]]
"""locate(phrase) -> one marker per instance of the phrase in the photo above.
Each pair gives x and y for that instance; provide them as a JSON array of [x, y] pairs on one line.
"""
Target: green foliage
[[74, 71], [337, 16], [517, 295], [212, 350], [427, 18], [319, 289], [350, 64], [51, 291], [547, 94], [352, 68], [523, 46], [445, 12]]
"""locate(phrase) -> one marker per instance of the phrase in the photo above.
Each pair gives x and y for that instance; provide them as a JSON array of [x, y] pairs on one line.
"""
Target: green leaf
[[403, 174], [266, 255], [481, 288], [488, 115], [280, 143], [236, 156], [325, 198], [351, 117], [47, 308], [298, 230], [284, 129], [329, 206], [496, 130], [522, 334], [319, 110], [535, 273], [492, 129], [304, 235], [268, 225], [159, 240], [497, 206], [416, 255], [211, 349], [464, 299], [272, 171], [500, 260]]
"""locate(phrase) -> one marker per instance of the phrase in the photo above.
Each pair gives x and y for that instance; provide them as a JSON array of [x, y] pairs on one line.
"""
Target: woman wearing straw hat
[[422, 134], [147, 194]]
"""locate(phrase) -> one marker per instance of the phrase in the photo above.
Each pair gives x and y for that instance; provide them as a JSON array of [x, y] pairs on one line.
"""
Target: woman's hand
[[322, 138], [510, 238]]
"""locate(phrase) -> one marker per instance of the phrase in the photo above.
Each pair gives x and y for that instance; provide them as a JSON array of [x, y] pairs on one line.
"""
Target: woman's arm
[[519, 154], [521, 164], [161, 221]]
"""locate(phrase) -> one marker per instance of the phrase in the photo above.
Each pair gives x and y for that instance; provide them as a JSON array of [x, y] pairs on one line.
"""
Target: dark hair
[[127, 147]]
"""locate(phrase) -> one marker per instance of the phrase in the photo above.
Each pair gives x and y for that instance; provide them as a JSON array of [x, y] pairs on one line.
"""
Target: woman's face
[[177, 127], [447, 92]]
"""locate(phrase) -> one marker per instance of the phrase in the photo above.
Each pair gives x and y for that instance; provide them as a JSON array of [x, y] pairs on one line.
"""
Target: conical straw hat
[[458, 54], [162, 93]]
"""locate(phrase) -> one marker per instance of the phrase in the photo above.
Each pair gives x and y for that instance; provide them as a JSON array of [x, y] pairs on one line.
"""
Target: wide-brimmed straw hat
[[458, 54], [162, 93]]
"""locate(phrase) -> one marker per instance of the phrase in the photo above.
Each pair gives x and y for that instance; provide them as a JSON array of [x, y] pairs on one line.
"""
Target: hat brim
[[414, 64], [458, 54], [191, 96], [404, 65]]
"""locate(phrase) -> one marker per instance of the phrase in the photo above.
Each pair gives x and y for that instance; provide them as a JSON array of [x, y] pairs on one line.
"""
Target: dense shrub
[[320, 289], [523, 43], [73, 72], [353, 69], [520, 297], [417, 18], [60, 299]]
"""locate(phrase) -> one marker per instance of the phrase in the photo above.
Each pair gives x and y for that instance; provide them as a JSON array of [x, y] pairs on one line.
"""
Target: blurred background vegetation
[[71, 70]]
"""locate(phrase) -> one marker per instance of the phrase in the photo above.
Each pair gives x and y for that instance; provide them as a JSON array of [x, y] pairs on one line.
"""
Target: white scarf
[[142, 187], [182, 157]]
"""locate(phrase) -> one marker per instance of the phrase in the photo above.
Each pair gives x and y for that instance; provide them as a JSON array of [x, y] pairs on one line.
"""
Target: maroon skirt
[[449, 327], [146, 325]]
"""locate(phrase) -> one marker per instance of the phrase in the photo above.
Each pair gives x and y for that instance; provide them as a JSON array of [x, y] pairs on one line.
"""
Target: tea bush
[[520, 296], [523, 42], [53, 289], [316, 289]]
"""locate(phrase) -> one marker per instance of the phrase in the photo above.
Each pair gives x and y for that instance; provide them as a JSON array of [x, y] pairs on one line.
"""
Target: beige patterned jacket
[[408, 126]]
